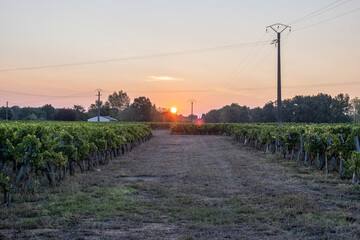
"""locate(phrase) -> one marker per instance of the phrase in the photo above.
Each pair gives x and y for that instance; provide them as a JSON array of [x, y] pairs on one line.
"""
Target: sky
[[214, 51]]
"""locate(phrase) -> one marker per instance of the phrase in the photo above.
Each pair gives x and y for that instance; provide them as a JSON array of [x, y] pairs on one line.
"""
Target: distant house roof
[[102, 119]]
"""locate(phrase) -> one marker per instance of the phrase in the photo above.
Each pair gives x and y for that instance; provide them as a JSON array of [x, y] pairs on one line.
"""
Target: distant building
[[102, 119]]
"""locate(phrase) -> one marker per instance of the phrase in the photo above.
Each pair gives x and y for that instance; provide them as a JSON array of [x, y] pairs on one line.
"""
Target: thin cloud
[[162, 78], [243, 92]]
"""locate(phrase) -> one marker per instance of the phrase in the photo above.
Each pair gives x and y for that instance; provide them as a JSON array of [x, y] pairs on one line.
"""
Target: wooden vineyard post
[[326, 159], [287, 149], [256, 141], [301, 148], [317, 160], [356, 173], [292, 150], [326, 164], [341, 163], [28, 185], [52, 174], [317, 154], [23, 166], [34, 185], [306, 155], [333, 159], [9, 194]]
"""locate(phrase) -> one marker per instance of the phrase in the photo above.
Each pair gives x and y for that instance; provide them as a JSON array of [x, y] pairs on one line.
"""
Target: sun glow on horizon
[[173, 110]]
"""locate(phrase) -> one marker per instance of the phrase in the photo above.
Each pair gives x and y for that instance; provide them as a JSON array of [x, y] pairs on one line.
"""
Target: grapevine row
[[32, 152], [330, 147]]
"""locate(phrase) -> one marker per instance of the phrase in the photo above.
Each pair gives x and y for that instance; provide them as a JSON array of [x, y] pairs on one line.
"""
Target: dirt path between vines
[[192, 187]]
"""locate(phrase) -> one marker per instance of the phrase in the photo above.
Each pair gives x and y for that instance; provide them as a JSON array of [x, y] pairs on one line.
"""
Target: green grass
[[94, 201]]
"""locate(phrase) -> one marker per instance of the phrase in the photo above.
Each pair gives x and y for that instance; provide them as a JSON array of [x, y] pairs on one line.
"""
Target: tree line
[[117, 106], [320, 108]]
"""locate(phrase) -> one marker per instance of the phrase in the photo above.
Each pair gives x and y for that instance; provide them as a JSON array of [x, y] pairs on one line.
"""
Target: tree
[[256, 114], [355, 109], [28, 113], [79, 108], [341, 108], [288, 110], [130, 114], [31, 117], [234, 114], [144, 108], [119, 100], [94, 106], [104, 109], [3, 113], [49, 111], [80, 111], [16, 110], [321, 108], [269, 112], [192, 117], [212, 117], [65, 115]]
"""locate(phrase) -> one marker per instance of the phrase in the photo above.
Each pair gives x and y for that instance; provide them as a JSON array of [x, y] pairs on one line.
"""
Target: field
[[190, 187]]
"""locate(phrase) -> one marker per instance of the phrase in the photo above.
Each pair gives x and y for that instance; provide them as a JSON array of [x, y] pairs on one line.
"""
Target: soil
[[196, 187]]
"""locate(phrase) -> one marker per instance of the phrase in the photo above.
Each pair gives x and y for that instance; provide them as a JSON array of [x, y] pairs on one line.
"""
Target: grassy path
[[191, 187]]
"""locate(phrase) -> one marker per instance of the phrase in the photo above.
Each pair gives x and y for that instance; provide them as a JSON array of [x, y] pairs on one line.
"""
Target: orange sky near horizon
[[320, 55]]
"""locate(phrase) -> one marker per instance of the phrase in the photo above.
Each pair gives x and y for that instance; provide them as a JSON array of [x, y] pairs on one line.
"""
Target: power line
[[235, 72], [299, 86], [319, 11], [170, 91], [17, 104], [47, 97], [244, 62], [159, 55], [324, 85], [329, 19], [248, 73], [41, 95], [233, 89]]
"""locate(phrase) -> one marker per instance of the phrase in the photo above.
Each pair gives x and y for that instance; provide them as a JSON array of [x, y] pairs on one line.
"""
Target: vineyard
[[69, 180], [330, 147], [34, 154]]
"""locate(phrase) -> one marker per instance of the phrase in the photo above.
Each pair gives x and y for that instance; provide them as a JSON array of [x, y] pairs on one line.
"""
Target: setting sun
[[173, 110]]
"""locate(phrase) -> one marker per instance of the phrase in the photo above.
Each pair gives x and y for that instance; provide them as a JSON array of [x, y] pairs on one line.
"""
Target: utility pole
[[278, 28], [7, 111], [99, 94], [192, 108]]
